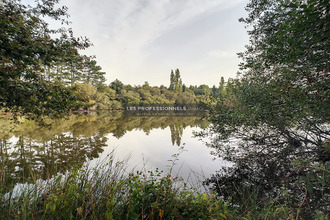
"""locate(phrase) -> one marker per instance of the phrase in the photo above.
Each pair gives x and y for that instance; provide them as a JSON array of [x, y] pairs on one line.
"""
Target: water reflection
[[29, 151], [262, 174]]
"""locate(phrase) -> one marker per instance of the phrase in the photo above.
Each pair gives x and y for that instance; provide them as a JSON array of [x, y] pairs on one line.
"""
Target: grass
[[108, 191]]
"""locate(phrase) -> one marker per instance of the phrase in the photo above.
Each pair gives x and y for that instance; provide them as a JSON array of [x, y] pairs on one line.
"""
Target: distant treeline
[[43, 72], [117, 95]]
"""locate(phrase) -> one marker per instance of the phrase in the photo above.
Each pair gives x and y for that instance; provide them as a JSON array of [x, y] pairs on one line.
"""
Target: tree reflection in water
[[265, 173], [29, 151], [28, 159]]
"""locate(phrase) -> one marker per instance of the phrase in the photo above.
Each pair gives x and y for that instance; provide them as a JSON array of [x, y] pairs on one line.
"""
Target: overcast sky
[[142, 40]]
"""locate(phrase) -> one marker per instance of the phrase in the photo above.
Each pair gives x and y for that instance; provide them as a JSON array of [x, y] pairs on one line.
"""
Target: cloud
[[130, 26], [132, 36]]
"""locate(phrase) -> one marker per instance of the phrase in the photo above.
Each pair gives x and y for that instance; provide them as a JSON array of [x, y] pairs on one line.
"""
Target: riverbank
[[108, 191]]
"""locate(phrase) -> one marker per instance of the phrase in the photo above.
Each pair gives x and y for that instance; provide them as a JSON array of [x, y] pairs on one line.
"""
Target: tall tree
[[27, 48], [222, 85], [117, 85], [172, 81], [279, 107], [175, 81], [178, 81], [92, 73]]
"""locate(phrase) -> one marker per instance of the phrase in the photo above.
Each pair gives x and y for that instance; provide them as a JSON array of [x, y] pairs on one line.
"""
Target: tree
[[215, 91], [175, 81], [284, 84], [107, 90], [178, 81], [85, 91], [172, 81], [278, 107], [117, 85], [184, 87], [286, 65], [290, 52], [92, 73], [290, 34], [130, 98], [203, 90], [187, 97], [146, 86], [27, 49], [222, 85]]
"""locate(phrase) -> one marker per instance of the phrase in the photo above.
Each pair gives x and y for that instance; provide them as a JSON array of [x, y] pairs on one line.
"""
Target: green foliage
[[294, 33], [273, 120], [153, 95], [85, 91], [103, 101], [202, 90], [148, 95], [41, 98], [106, 192], [35, 65], [117, 86], [175, 81], [186, 97], [289, 97], [130, 97], [172, 81], [92, 72]]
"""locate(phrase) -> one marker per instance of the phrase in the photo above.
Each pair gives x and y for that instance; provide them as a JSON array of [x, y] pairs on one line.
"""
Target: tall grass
[[108, 191]]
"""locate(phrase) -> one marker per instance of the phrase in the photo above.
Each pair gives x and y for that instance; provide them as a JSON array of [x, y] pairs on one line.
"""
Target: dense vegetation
[[273, 121], [38, 63], [118, 96], [108, 192]]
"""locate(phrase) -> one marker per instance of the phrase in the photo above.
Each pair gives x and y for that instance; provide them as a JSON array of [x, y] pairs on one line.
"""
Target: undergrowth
[[107, 191]]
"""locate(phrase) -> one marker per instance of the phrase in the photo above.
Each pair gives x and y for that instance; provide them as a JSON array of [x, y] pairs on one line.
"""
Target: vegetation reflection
[[29, 151]]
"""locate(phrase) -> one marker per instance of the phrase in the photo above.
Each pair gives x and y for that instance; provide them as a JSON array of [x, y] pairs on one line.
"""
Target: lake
[[167, 142]]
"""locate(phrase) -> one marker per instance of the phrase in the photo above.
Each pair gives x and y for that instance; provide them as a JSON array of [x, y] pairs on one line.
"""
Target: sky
[[143, 40]]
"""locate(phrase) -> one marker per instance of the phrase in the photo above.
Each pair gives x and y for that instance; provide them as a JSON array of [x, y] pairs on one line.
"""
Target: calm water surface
[[150, 142]]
